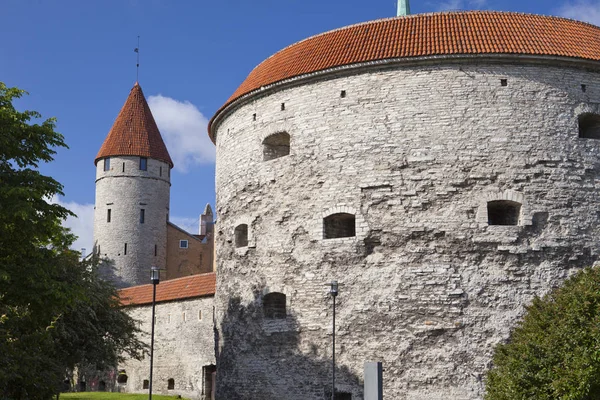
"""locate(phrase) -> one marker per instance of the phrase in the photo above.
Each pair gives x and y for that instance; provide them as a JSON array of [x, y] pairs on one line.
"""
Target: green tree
[[49, 300], [554, 353]]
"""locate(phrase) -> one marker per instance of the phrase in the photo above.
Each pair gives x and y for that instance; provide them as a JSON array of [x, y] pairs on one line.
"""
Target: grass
[[113, 396]]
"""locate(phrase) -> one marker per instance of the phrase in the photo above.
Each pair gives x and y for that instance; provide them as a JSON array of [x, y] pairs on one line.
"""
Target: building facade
[[442, 167]]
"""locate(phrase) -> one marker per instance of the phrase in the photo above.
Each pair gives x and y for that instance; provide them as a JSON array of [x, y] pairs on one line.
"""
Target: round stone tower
[[132, 194], [444, 168]]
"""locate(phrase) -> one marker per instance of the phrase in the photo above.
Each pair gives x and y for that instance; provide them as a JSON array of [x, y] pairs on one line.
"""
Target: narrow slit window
[[107, 164], [503, 212], [143, 163], [241, 235], [155, 250], [123, 167], [171, 384], [142, 216], [159, 171], [339, 225], [108, 215], [282, 106], [125, 250], [274, 305], [589, 126], [276, 146]]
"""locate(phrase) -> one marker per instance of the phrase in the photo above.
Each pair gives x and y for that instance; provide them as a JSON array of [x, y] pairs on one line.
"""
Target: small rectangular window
[[155, 250], [159, 171], [108, 215], [125, 250], [123, 167], [142, 216], [107, 164], [143, 163], [183, 317], [183, 244], [199, 315]]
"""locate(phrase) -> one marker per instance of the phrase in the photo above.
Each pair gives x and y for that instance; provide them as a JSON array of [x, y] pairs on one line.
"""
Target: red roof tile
[[174, 289], [453, 33], [134, 132]]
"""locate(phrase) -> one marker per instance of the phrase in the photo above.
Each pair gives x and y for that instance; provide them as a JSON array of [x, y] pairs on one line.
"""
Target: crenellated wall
[[416, 152]]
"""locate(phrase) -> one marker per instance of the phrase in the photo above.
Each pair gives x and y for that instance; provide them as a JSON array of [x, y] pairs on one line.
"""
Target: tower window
[[123, 167], [159, 171], [503, 82], [274, 305], [339, 226], [241, 235], [142, 216], [503, 212], [171, 384], [107, 164], [143, 163], [282, 106], [183, 244], [589, 126], [125, 250], [146, 384], [276, 145], [155, 250], [108, 215], [122, 377]]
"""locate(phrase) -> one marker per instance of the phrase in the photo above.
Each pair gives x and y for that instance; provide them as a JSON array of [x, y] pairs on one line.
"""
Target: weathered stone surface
[[426, 286], [183, 345]]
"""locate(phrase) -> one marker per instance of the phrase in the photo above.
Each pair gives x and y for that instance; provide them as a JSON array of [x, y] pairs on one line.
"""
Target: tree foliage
[[54, 311], [554, 353]]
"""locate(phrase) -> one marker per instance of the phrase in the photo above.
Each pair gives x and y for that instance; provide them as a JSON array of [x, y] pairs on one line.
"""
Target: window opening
[[274, 305], [503, 82], [108, 215], [122, 377], [209, 372], [171, 384], [123, 167], [339, 226], [254, 117], [343, 396], [183, 244], [589, 126], [125, 250], [143, 163], [282, 106], [503, 212], [155, 250], [583, 88], [142, 216], [199, 315], [183, 317], [146, 384], [159, 171], [241, 235], [107, 164], [343, 94], [276, 145], [101, 386]]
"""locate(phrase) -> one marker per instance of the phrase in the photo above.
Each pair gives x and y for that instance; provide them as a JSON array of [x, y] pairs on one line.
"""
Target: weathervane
[[137, 66]]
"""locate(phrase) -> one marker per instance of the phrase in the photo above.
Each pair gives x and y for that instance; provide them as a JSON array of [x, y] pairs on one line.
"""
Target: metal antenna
[[137, 66]]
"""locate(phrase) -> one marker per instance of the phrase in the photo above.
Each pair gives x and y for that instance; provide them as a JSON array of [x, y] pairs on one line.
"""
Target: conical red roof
[[134, 132]]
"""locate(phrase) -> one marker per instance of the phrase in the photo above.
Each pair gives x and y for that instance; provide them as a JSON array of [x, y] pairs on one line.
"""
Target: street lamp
[[333, 290], [155, 278]]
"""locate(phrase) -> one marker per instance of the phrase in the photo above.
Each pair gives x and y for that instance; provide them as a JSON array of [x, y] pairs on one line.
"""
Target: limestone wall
[[125, 190], [426, 286], [183, 345]]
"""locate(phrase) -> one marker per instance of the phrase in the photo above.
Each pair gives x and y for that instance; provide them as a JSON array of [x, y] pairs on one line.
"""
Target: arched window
[[276, 145], [589, 126], [171, 384], [339, 226], [146, 384], [274, 305], [503, 212], [241, 235], [122, 377]]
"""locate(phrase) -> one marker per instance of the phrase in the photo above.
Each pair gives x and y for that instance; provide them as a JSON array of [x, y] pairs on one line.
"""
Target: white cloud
[[190, 225], [448, 5], [184, 128], [582, 10], [82, 225]]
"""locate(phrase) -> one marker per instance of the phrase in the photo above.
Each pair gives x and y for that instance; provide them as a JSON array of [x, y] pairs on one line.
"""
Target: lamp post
[[333, 290], [155, 278]]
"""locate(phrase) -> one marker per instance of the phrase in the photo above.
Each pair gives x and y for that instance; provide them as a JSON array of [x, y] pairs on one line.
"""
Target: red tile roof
[[134, 132], [174, 289], [438, 34]]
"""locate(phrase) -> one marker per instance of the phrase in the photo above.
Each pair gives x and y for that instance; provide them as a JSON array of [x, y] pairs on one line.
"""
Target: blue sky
[[77, 61]]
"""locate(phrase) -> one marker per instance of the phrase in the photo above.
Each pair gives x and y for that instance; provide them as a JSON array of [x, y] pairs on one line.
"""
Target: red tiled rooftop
[[174, 289], [439, 34], [134, 132]]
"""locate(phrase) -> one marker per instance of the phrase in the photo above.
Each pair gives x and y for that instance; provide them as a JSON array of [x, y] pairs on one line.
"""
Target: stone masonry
[[415, 151]]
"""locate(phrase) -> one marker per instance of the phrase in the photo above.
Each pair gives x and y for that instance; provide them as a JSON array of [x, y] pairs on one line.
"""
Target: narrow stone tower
[[132, 194]]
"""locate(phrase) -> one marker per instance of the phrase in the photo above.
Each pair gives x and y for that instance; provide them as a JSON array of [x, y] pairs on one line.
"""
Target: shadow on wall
[[106, 268], [265, 358]]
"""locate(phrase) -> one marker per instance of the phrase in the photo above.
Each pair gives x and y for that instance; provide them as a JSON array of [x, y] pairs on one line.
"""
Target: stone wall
[[415, 152], [183, 345], [197, 258], [125, 190]]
